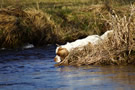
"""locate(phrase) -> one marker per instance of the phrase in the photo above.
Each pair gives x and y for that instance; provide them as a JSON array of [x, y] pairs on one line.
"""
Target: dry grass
[[118, 49], [40, 25], [19, 27], [10, 33]]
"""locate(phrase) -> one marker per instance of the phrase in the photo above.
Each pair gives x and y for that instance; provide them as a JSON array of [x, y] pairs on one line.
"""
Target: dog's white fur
[[58, 59], [80, 43], [105, 35], [93, 39]]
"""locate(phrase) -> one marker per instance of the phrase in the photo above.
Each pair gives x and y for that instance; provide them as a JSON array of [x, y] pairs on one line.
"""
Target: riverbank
[[45, 22]]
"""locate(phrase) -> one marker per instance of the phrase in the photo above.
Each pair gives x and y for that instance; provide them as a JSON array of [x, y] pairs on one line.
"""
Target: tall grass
[[117, 49]]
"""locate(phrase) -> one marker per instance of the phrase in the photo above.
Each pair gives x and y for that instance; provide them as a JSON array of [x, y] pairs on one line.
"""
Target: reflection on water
[[103, 78], [33, 69]]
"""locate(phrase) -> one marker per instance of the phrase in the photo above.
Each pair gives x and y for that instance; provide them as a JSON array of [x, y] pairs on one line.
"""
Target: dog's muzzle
[[57, 59]]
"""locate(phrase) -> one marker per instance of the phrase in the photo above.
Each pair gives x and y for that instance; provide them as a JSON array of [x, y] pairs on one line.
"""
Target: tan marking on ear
[[62, 52]]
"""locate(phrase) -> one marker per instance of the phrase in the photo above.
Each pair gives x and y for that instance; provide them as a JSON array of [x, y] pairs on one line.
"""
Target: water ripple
[[34, 69]]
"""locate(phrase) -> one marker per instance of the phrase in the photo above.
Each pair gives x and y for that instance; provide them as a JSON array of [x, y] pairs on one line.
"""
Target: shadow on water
[[33, 69]]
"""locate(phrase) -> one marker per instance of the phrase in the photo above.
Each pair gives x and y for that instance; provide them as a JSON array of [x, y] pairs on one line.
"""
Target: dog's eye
[[58, 54]]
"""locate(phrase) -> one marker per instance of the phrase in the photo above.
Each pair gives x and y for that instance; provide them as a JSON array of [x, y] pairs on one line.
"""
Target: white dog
[[63, 50]]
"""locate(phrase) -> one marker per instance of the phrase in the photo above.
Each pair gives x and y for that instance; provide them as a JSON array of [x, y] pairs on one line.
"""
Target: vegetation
[[118, 49], [42, 22], [39, 21]]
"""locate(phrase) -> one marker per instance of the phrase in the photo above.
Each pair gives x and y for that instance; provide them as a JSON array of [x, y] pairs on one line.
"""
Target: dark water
[[33, 69]]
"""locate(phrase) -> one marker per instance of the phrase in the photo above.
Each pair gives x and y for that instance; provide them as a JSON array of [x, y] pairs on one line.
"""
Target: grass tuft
[[19, 27]]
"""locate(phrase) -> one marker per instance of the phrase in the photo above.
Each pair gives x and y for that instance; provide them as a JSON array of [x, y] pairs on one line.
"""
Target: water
[[33, 69]]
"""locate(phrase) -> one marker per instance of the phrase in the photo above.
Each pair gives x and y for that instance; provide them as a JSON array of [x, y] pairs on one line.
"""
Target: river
[[33, 69]]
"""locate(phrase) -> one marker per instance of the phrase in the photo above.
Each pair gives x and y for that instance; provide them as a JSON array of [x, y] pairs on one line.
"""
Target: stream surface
[[33, 69]]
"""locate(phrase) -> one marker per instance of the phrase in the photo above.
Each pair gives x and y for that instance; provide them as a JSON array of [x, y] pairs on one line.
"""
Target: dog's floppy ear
[[57, 45], [62, 52]]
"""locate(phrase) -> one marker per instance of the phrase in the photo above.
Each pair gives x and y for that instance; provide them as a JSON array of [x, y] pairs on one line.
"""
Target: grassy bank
[[42, 22]]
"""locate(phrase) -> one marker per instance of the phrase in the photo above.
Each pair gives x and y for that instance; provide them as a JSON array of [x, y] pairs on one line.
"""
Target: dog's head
[[61, 53]]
